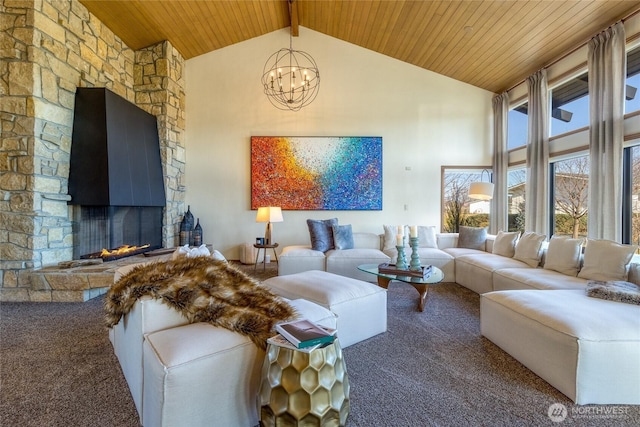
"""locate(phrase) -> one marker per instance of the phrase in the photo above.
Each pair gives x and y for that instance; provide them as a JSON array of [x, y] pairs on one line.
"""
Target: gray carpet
[[431, 368]]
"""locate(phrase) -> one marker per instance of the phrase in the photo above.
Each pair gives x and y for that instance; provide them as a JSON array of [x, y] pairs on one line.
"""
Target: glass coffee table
[[420, 284]]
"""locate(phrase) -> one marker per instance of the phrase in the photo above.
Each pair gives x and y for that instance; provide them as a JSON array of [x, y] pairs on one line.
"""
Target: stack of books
[[303, 335]]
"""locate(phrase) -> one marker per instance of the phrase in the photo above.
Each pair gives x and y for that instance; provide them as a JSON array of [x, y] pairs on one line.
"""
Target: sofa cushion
[[472, 237], [458, 252], [563, 255], [321, 233], [529, 248], [476, 271], [534, 278], [606, 260], [427, 236], [390, 234], [342, 236], [505, 243]]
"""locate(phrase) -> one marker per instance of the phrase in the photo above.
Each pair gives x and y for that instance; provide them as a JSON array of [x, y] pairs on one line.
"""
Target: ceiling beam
[[293, 17]]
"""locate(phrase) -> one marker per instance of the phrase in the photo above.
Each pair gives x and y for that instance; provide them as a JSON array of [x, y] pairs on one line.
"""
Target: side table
[[304, 389], [264, 247]]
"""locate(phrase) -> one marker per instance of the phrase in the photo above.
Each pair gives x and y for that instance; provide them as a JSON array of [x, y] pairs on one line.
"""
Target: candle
[[401, 230], [413, 231], [399, 240]]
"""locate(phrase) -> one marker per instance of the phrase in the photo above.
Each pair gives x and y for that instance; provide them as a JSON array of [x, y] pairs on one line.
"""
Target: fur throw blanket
[[614, 291], [203, 290]]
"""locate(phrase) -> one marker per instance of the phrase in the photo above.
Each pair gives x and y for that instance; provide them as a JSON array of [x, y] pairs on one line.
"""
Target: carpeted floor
[[57, 368]]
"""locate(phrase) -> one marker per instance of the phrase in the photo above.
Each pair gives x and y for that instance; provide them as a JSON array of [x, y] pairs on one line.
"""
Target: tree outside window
[[458, 209], [571, 196]]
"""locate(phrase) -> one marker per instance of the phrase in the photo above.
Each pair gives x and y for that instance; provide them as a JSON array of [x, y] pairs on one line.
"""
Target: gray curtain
[[607, 64], [499, 218], [536, 203]]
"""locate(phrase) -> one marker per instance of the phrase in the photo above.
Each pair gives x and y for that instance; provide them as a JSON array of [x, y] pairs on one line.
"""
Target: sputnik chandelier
[[290, 77]]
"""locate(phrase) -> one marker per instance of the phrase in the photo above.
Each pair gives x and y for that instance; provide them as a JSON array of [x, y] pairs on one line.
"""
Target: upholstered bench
[[202, 375], [587, 348], [361, 307], [176, 371]]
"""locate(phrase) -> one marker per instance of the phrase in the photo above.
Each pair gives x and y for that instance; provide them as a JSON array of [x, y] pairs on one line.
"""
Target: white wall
[[426, 121]]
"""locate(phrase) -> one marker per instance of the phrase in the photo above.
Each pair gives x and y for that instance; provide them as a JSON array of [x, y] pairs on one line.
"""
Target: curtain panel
[[536, 189], [607, 64], [499, 218]]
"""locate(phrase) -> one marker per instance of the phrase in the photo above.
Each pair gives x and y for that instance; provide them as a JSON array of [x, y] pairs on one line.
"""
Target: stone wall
[[159, 86], [48, 48]]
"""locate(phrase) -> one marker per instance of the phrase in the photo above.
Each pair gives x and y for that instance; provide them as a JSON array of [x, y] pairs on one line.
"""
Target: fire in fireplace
[[114, 232]]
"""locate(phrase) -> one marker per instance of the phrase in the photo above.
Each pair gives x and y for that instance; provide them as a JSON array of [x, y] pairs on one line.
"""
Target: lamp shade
[[269, 214], [481, 190]]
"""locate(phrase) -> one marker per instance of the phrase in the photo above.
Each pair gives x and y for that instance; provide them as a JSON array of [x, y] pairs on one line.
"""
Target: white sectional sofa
[[368, 249], [534, 310]]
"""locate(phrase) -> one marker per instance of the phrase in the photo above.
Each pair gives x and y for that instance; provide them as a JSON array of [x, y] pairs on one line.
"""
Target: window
[[457, 208], [570, 186], [632, 99], [517, 126], [631, 198], [516, 179], [570, 106]]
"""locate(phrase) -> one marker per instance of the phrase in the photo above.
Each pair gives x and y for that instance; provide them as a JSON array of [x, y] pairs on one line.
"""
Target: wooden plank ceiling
[[487, 43]]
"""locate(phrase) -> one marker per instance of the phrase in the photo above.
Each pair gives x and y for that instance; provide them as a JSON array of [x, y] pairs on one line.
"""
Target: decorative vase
[[189, 218], [401, 262], [414, 265], [185, 232], [197, 234]]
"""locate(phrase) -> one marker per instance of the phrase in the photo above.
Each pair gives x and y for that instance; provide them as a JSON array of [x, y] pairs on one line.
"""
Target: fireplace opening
[[114, 232]]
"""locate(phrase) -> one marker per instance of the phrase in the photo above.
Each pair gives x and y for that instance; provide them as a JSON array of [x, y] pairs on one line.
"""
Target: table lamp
[[269, 214]]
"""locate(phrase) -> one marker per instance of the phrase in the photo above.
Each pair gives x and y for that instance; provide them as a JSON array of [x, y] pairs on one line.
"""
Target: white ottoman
[[587, 348], [202, 375], [361, 307]]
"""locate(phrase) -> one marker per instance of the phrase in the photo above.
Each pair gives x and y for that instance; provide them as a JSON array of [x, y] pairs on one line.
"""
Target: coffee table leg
[[423, 290], [383, 282]]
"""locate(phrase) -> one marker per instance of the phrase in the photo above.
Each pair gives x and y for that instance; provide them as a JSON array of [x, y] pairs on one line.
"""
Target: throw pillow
[[529, 248], [190, 252], [606, 260], [563, 255], [505, 243], [427, 236], [472, 237], [390, 233], [343, 236], [321, 233]]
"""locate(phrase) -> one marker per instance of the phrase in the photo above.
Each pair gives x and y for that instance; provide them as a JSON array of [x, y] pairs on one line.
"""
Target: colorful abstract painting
[[316, 173]]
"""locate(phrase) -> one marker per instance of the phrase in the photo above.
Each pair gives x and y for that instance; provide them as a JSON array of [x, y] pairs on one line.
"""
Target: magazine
[[281, 341], [304, 333]]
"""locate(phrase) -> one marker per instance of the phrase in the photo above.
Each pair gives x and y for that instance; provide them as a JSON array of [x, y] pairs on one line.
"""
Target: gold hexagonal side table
[[304, 389]]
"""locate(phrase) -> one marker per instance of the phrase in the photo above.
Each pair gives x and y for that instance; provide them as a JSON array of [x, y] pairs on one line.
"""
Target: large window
[[631, 204], [632, 98], [570, 106], [457, 208], [517, 126], [570, 186], [516, 179]]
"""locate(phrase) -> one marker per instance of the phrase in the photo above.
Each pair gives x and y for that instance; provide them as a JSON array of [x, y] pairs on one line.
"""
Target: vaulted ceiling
[[491, 44]]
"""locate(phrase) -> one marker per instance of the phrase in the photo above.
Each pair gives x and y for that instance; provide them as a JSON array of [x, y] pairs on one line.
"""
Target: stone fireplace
[[53, 48]]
